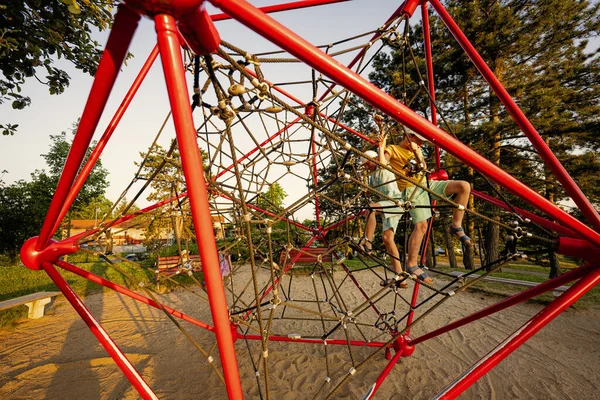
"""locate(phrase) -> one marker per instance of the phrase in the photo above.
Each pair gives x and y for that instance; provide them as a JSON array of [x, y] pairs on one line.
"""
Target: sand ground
[[57, 357]]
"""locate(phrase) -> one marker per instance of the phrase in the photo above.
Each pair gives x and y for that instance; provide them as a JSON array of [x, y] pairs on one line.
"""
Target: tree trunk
[[554, 265], [430, 256], [450, 249], [469, 226], [492, 237]]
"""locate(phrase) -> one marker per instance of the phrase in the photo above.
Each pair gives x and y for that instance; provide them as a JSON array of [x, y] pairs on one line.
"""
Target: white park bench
[[35, 302]]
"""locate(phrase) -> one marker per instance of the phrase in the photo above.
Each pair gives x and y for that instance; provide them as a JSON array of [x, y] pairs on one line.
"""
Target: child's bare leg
[[414, 243], [392, 249], [371, 224]]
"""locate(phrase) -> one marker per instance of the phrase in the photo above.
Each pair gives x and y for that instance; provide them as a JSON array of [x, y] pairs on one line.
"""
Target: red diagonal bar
[[349, 129], [130, 293], [89, 165], [519, 337], [132, 215], [286, 39], [526, 214], [111, 348], [125, 24], [283, 7], [269, 213], [191, 162], [288, 126], [360, 343], [586, 207], [511, 301]]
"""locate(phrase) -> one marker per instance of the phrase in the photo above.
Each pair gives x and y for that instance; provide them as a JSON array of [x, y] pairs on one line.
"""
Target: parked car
[[440, 252], [131, 257]]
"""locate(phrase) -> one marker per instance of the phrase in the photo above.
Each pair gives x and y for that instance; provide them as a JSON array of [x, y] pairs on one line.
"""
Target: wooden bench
[[172, 265], [556, 291], [309, 255], [36, 303]]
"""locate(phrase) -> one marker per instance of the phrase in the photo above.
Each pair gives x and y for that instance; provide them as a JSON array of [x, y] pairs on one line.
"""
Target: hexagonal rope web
[[253, 138]]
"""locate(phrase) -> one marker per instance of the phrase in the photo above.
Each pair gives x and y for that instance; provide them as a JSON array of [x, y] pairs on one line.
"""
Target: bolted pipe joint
[[176, 8], [410, 6], [33, 259], [402, 345]]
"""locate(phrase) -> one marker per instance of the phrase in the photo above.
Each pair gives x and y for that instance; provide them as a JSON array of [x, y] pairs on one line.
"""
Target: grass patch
[[590, 300], [17, 280]]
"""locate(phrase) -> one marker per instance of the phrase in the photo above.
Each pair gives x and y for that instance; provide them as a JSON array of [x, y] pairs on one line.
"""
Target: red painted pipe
[[349, 129], [130, 293], [125, 24], [519, 337], [89, 165], [509, 302], [537, 141], [359, 343], [111, 348], [283, 37], [386, 371], [278, 133], [191, 161], [526, 214], [283, 7]]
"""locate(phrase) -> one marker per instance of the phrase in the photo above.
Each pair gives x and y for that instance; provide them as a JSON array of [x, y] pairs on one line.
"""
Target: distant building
[[134, 231]]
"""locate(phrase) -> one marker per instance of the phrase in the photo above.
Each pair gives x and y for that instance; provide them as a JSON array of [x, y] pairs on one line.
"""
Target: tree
[[272, 199], [539, 51], [23, 205], [34, 33]]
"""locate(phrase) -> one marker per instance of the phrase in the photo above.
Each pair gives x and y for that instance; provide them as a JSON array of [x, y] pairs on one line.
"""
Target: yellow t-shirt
[[399, 158]]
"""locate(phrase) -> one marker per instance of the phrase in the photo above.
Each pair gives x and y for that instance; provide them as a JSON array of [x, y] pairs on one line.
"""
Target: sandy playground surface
[[57, 357]]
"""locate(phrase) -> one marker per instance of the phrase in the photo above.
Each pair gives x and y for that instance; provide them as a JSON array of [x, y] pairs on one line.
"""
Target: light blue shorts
[[421, 198]]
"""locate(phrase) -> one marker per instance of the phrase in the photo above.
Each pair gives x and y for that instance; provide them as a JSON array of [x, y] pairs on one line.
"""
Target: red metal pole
[[386, 371], [116, 48], [111, 348], [521, 335], [429, 67], [130, 293], [89, 165], [191, 160], [286, 39], [360, 343], [349, 129], [511, 301], [269, 213], [526, 214], [132, 215], [285, 128], [586, 207], [283, 7]]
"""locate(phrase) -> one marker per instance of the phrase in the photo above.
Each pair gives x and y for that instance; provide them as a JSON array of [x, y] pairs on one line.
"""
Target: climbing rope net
[[286, 279]]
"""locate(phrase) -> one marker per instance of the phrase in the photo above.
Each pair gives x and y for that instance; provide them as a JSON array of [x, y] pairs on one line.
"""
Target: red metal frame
[[537, 141], [105, 340], [40, 250]]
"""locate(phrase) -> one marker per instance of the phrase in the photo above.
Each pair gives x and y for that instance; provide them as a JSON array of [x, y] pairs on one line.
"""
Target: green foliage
[[23, 205], [272, 199], [35, 33]]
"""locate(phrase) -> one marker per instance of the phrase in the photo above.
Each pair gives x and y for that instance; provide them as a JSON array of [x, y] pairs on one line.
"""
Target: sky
[[20, 154]]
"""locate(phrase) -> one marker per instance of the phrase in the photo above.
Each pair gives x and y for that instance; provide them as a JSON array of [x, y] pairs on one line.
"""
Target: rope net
[[293, 270]]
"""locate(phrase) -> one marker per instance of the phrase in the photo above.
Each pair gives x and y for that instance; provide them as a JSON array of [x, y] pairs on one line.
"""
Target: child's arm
[[419, 155], [382, 141]]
